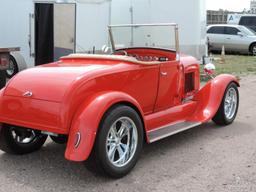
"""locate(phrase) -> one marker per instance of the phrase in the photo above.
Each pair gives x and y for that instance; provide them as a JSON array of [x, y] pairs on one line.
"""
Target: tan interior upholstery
[[110, 57]]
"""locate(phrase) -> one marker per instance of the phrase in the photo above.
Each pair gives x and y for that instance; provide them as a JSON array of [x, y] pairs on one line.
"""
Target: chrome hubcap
[[230, 103], [122, 140], [23, 137], [10, 70]]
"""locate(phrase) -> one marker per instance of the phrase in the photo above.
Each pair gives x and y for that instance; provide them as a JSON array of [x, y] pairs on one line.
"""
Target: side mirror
[[240, 34]]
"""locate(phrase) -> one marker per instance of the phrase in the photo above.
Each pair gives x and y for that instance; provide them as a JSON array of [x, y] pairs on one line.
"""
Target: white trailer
[[189, 15], [48, 29]]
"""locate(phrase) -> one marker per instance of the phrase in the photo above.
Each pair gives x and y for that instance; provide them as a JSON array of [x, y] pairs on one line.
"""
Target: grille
[[189, 82]]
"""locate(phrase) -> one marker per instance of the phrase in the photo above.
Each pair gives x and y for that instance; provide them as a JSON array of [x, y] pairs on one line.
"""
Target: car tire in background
[[118, 143], [252, 49], [227, 111], [19, 141], [13, 68]]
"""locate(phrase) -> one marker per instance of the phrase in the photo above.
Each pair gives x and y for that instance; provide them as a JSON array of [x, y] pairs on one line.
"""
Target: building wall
[[253, 6], [218, 17]]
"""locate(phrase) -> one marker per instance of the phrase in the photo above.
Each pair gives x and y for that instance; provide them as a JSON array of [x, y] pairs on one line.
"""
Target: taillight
[[4, 62]]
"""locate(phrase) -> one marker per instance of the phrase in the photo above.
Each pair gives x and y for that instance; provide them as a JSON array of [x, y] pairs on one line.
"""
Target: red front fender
[[87, 120], [210, 96]]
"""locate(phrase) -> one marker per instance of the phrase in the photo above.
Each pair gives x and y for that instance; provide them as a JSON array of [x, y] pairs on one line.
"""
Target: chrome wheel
[[230, 105], [122, 141], [23, 136], [11, 70]]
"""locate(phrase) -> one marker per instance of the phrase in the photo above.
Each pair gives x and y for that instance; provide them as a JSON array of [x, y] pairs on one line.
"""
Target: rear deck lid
[[46, 83]]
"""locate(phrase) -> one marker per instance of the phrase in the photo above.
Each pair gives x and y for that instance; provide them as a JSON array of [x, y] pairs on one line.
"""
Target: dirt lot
[[207, 158]]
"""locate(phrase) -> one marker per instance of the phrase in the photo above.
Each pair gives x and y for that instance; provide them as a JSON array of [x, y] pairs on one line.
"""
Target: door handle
[[164, 73], [228, 38]]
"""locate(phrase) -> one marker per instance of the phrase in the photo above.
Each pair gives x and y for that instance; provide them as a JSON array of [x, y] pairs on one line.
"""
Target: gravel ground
[[206, 158]]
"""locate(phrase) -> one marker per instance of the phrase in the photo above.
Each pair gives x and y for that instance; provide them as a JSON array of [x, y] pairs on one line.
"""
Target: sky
[[231, 5]]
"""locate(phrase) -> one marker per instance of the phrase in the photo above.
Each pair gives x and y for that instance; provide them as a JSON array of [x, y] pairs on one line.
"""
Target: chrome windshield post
[[177, 43], [111, 39]]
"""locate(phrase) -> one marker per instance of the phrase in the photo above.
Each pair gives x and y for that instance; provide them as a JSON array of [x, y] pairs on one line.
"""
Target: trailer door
[[43, 33], [64, 29], [54, 31]]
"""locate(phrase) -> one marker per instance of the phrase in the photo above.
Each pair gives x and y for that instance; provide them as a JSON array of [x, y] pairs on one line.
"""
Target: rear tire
[[19, 141], [118, 144], [253, 49], [227, 111]]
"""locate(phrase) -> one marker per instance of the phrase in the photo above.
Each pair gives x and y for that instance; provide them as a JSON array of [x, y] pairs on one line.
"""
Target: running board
[[169, 130]]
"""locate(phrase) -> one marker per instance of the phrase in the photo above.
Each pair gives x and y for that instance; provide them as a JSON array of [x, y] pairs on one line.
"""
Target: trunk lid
[[48, 82]]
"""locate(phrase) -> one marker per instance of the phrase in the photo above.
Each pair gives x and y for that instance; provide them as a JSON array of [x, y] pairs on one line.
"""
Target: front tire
[[227, 111], [19, 141], [119, 142]]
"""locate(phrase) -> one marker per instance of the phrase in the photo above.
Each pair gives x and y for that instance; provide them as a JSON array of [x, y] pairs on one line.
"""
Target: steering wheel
[[122, 52]]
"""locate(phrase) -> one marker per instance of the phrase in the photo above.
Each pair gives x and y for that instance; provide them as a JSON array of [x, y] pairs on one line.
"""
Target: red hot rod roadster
[[106, 106]]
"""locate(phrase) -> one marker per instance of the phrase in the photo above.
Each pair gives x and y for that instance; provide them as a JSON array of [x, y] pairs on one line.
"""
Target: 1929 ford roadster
[[107, 106]]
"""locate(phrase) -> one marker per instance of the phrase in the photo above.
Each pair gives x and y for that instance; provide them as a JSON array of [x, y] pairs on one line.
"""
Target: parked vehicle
[[243, 19], [70, 26], [235, 38], [248, 21], [109, 105]]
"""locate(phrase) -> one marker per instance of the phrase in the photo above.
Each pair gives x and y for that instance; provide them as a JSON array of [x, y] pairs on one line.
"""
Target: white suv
[[235, 38]]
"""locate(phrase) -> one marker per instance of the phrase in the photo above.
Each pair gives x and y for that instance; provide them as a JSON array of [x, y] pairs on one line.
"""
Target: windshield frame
[[174, 25]]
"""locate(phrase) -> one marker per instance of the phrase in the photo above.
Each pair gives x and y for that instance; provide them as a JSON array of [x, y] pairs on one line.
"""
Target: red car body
[[72, 95]]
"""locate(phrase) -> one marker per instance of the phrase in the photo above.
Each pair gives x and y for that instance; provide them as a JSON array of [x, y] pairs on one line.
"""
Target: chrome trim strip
[[78, 139], [28, 94], [141, 25], [170, 130]]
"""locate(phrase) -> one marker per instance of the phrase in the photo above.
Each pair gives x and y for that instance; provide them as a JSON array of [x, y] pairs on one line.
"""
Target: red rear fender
[[86, 122]]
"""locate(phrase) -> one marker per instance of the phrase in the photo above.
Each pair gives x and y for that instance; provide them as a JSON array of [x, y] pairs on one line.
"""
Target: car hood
[[48, 82]]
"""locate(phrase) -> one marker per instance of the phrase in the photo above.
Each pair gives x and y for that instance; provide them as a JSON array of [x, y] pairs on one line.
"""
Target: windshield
[[247, 31], [163, 36]]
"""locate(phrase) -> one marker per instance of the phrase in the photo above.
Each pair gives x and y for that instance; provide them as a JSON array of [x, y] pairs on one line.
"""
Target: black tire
[[61, 139], [2, 79], [9, 145], [220, 118], [253, 49], [98, 161], [14, 68]]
